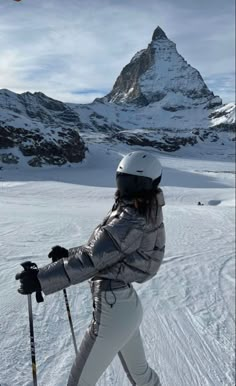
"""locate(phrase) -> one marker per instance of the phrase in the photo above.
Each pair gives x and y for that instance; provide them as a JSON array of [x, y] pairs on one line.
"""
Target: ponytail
[[146, 203]]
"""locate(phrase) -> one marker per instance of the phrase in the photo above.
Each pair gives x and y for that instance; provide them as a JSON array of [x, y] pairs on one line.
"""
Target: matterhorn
[[158, 100]]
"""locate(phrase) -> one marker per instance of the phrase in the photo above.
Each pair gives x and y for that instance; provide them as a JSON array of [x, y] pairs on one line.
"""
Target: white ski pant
[[114, 330]]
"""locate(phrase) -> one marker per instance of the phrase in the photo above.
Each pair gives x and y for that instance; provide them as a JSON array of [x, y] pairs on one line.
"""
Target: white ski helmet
[[138, 172]]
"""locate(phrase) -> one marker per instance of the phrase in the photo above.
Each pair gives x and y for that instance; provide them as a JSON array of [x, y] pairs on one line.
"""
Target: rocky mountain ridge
[[41, 129], [158, 100]]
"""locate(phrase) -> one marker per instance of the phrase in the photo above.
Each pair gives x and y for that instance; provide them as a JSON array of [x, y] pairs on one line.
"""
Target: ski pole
[[27, 266], [32, 344], [54, 259], [70, 320]]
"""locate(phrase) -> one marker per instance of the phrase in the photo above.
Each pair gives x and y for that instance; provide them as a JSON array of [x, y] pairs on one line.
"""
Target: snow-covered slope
[[189, 317], [158, 100]]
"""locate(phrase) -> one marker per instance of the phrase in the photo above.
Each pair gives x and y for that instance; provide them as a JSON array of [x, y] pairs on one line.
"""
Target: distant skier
[[199, 203], [128, 246]]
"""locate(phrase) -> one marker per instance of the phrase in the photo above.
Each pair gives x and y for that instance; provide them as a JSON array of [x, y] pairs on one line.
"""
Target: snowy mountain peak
[[159, 34], [158, 101], [160, 74]]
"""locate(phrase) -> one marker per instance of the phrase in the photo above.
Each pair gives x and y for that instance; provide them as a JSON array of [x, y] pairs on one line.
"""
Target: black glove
[[29, 281], [58, 253]]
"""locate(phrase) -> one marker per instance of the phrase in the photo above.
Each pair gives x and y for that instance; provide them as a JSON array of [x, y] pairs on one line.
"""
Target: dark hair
[[145, 202]]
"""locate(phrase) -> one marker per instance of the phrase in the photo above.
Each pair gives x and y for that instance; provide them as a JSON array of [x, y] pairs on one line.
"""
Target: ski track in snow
[[189, 317]]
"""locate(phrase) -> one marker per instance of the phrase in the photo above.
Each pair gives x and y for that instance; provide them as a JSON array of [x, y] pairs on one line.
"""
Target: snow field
[[189, 317]]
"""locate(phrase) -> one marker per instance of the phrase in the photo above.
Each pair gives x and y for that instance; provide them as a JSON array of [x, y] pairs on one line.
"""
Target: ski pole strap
[[39, 297]]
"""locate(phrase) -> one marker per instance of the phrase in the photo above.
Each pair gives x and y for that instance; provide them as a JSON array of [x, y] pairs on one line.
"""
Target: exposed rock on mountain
[[43, 130], [158, 72], [158, 101]]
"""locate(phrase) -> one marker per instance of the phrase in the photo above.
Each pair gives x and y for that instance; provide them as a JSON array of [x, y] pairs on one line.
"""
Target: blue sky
[[73, 50]]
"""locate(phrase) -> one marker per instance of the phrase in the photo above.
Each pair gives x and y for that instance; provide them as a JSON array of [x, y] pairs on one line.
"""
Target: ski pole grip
[[27, 265]]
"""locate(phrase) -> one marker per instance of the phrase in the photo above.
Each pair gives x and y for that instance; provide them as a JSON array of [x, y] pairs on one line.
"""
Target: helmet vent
[[144, 156], [139, 171]]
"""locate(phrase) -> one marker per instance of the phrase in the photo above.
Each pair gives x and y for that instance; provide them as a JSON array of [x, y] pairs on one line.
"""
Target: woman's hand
[[29, 282], [58, 253]]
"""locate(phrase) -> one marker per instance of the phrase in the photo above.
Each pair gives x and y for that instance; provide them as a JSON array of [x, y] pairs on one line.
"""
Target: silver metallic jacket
[[125, 247]]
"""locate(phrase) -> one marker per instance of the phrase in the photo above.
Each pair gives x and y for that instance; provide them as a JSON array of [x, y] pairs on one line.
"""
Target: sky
[[73, 50]]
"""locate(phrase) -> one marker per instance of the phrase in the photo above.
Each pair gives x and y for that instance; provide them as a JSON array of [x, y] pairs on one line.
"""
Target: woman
[[127, 247]]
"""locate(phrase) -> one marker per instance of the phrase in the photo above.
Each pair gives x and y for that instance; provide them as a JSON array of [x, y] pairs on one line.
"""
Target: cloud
[[75, 51], [224, 85]]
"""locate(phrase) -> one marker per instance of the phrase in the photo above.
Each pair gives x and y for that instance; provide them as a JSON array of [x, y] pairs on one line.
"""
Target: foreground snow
[[189, 306]]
